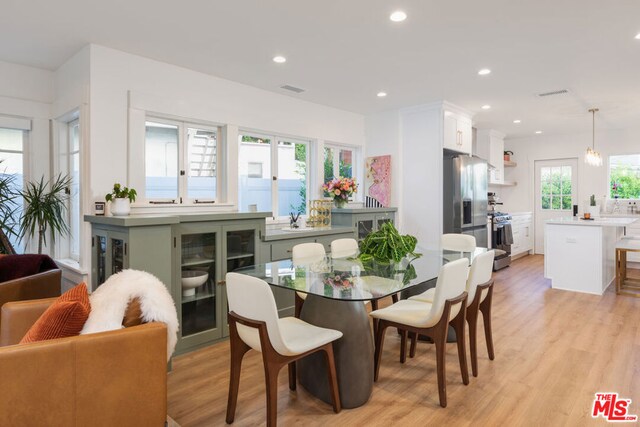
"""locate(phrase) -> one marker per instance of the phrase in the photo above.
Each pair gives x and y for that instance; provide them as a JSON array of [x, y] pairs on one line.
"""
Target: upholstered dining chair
[[458, 242], [306, 253], [254, 324], [432, 320], [480, 295], [344, 248]]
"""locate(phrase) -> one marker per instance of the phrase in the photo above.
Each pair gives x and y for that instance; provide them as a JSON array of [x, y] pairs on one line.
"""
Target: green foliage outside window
[[624, 180]]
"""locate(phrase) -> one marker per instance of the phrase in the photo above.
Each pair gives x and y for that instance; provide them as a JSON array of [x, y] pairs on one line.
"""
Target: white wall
[[383, 133], [118, 77], [591, 180]]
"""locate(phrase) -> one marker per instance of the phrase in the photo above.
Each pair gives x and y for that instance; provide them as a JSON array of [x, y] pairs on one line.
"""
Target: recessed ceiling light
[[516, 121], [381, 94], [637, 36], [486, 107], [279, 59], [484, 72], [398, 16], [538, 132]]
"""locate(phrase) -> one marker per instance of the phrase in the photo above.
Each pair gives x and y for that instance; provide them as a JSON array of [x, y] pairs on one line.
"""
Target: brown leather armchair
[[45, 283], [104, 379]]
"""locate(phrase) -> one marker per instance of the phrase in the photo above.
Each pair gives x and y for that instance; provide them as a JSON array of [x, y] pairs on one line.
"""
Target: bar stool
[[625, 285], [254, 324]]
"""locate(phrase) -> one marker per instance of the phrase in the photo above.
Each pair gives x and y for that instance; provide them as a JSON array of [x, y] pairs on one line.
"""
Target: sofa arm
[[17, 317], [104, 379]]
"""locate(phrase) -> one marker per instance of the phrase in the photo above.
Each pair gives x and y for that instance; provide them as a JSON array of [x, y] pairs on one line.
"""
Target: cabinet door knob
[[222, 282]]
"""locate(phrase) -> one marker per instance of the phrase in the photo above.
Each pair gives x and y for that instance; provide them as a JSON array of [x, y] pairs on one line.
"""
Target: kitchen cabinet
[[522, 227], [458, 134], [208, 251], [490, 146], [203, 247], [364, 220]]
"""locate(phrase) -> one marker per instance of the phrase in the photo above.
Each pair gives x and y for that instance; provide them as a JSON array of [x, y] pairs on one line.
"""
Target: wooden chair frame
[[473, 310], [438, 333], [472, 319], [273, 363]]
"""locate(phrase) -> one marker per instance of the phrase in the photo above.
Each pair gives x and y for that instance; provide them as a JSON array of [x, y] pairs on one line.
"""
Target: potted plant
[[507, 155], [340, 189], [121, 198], [387, 245], [45, 207]]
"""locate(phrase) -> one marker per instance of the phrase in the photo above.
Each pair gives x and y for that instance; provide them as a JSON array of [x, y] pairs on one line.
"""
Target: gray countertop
[[286, 233], [168, 219], [335, 211]]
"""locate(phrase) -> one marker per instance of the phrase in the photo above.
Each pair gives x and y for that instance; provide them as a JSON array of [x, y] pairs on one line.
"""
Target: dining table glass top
[[354, 280]]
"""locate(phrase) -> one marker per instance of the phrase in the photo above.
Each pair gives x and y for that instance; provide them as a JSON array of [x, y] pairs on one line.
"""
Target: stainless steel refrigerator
[[465, 196]]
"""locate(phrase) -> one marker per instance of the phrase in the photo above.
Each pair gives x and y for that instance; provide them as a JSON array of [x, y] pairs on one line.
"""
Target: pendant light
[[592, 157]]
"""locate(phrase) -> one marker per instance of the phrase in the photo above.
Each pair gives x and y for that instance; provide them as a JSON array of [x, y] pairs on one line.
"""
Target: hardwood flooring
[[554, 350]]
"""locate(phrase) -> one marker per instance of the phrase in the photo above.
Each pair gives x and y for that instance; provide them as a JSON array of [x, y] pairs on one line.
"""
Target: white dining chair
[[480, 294], [254, 324], [432, 320], [305, 254], [458, 242], [344, 248]]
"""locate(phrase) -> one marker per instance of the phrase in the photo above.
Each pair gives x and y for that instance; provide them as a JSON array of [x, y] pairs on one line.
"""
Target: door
[[555, 193]]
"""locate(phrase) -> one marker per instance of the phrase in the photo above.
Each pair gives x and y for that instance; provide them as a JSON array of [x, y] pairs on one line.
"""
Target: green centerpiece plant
[[387, 244]]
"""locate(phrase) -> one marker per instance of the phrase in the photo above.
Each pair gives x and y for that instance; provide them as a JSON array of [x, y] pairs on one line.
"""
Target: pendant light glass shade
[[593, 158]]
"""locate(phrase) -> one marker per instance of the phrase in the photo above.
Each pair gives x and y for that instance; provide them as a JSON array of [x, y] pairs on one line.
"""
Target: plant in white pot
[[121, 198]]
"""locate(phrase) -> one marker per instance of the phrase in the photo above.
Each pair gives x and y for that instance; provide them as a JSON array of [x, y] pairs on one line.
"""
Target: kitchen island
[[580, 254]]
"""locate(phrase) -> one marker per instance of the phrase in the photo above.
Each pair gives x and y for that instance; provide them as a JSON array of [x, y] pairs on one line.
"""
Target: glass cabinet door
[[241, 250], [118, 253], [199, 306], [364, 227], [100, 260]]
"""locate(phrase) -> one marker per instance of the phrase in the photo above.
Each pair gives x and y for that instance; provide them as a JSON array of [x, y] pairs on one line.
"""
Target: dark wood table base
[[353, 352]]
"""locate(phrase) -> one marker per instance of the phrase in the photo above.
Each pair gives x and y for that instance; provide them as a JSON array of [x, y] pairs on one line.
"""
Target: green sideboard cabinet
[[364, 220], [200, 247]]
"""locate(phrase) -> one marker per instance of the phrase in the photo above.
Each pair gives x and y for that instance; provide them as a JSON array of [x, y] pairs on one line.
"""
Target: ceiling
[[344, 52]]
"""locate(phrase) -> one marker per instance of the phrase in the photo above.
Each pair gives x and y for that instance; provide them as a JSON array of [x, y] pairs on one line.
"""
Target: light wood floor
[[554, 350]]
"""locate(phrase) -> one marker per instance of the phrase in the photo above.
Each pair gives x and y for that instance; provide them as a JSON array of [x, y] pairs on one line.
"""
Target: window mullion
[[274, 173], [183, 170]]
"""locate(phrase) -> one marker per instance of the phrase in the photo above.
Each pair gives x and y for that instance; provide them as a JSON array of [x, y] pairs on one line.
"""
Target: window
[[624, 176], [181, 162], [555, 187], [12, 167], [73, 153], [273, 174], [338, 161]]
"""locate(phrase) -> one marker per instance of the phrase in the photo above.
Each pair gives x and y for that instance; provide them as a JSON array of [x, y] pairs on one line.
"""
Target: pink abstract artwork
[[377, 181]]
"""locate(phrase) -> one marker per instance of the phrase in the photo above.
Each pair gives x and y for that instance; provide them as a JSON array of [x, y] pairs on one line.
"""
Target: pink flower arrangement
[[340, 189]]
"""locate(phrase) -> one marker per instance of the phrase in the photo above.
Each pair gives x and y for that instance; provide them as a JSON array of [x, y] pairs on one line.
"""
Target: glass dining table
[[337, 291]]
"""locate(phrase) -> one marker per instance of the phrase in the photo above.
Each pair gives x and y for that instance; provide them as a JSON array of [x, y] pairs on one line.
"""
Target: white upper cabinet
[[490, 146], [457, 132]]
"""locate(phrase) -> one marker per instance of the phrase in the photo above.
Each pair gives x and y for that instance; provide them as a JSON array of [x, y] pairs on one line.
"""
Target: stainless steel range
[[501, 239]]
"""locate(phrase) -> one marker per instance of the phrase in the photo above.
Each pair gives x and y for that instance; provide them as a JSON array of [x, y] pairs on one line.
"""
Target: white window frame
[[62, 166], [182, 198], [24, 125], [609, 196], [355, 163], [275, 139]]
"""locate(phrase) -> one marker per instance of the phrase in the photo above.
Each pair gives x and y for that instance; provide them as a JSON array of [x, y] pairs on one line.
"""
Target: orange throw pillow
[[64, 318]]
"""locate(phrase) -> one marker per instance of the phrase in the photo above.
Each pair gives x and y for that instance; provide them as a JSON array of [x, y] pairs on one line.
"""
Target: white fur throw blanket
[[109, 303]]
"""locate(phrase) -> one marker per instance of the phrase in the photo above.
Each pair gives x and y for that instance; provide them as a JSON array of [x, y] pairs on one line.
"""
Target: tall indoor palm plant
[[45, 209]]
